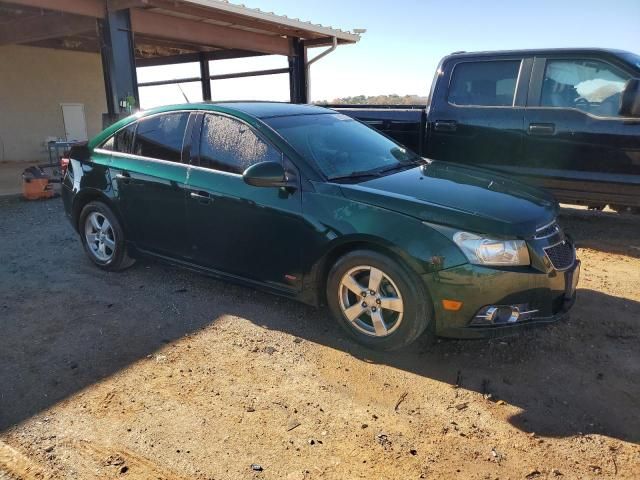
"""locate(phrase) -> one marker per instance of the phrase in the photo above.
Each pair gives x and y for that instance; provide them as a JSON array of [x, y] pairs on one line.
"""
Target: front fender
[[343, 225]]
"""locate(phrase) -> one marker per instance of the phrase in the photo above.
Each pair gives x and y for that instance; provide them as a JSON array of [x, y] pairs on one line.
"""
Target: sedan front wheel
[[378, 301]]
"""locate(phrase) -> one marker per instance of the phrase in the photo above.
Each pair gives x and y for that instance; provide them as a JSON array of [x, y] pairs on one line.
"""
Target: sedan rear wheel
[[103, 237]]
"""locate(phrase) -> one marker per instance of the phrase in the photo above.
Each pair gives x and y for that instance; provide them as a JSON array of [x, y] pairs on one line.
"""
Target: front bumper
[[551, 294]]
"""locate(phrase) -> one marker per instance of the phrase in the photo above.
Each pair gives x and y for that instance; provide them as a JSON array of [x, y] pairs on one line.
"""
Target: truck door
[[477, 112], [577, 144]]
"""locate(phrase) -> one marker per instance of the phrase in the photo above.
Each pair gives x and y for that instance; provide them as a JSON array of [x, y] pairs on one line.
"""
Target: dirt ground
[[159, 373]]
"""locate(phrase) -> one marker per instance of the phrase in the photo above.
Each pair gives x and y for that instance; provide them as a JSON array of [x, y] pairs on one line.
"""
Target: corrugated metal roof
[[294, 23]]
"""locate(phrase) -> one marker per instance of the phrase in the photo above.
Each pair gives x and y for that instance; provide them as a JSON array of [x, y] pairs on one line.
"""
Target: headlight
[[492, 251]]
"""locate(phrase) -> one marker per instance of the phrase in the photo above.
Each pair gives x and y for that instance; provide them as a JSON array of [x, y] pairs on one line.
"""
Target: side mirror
[[630, 99], [266, 174]]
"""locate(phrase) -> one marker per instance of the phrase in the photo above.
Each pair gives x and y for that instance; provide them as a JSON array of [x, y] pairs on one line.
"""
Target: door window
[[231, 146], [161, 136], [487, 84], [588, 85], [122, 140]]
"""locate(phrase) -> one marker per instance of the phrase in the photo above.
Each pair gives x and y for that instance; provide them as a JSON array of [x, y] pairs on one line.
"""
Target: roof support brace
[[298, 73], [118, 63], [204, 77]]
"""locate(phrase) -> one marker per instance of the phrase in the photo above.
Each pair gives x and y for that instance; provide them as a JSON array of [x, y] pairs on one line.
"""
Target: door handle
[[542, 128], [202, 197], [445, 125]]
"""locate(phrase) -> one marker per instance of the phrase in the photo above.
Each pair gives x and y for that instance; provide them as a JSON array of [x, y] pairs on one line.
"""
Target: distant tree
[[392, 99]]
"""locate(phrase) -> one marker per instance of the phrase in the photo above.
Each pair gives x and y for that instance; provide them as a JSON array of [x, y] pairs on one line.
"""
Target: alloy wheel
[[100, 236], [371, 301]]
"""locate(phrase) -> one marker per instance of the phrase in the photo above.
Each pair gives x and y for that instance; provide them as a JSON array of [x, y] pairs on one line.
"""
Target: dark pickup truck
[[567, 120]]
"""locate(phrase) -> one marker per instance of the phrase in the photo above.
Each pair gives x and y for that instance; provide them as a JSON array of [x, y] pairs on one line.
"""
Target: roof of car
[[271, 109], [254, 109]]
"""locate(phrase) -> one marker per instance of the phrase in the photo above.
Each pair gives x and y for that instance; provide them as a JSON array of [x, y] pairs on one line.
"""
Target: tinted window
[[587, 85], [161, 136], [491, 84], [341, 146], [122, 140], [231, 146]]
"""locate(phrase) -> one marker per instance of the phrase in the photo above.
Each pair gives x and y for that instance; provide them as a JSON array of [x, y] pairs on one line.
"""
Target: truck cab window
[[486, 84], [588, 85], [231, 146]]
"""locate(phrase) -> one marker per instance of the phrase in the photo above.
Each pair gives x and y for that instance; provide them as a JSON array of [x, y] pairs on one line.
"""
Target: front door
[[150, 182], [479, 120], [251, 232], [577, 143]]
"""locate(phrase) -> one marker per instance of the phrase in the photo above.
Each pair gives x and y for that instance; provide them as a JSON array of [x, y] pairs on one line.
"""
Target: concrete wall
[[33, 84]]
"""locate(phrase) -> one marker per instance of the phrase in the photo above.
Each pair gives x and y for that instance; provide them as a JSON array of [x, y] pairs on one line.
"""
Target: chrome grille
[[547, 231], [561, 255]]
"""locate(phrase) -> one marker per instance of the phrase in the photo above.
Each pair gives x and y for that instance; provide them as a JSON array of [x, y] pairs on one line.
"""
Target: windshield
[[342, 147]]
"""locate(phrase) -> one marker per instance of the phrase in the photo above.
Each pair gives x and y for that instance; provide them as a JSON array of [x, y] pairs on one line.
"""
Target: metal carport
[[131, 33]]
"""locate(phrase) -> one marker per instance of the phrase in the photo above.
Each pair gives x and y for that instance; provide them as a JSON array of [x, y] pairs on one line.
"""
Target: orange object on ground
[[36, 184]]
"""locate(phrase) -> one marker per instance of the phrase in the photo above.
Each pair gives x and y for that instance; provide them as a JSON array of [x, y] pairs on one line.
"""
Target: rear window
[[161, 136], [486, 84]]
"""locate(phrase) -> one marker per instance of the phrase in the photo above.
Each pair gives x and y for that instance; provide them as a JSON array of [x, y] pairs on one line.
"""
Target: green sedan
[[305, 202]]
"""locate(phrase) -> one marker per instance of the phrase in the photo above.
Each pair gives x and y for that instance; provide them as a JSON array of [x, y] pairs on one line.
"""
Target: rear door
[[251, 232], [577, 144], [477, 111], [150, 184]]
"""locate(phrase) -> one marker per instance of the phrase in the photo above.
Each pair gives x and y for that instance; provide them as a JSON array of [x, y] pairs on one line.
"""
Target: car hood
[[462, 197]]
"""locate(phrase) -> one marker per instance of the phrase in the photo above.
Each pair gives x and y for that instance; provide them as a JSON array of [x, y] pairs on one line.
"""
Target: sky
[[404, 42]]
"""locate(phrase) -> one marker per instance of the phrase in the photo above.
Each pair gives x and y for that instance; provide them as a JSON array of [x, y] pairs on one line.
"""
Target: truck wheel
[[103, 237], [381, 304]]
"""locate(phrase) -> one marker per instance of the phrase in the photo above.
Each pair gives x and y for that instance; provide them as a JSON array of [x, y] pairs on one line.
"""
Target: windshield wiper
[[398, 166], [359, 174]]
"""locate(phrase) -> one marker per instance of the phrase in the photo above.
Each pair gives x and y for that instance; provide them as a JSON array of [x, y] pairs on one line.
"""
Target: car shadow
[[67, 325]]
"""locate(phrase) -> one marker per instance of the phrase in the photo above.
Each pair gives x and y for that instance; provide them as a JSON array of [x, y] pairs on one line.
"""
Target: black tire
[[417, 308], [118, 258]]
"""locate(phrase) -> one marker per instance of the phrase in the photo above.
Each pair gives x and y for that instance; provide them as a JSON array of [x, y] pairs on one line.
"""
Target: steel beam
[[204, 77], [45, 27], [88, 8], [115, 5], [195, 57], [118, 61], [298, 91], [189, 31]]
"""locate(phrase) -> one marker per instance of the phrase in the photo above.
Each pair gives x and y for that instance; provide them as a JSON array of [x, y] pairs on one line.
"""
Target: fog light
[[502, 314]]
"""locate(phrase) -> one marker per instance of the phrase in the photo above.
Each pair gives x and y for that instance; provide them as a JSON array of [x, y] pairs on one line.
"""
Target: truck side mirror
[[630, 99]]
